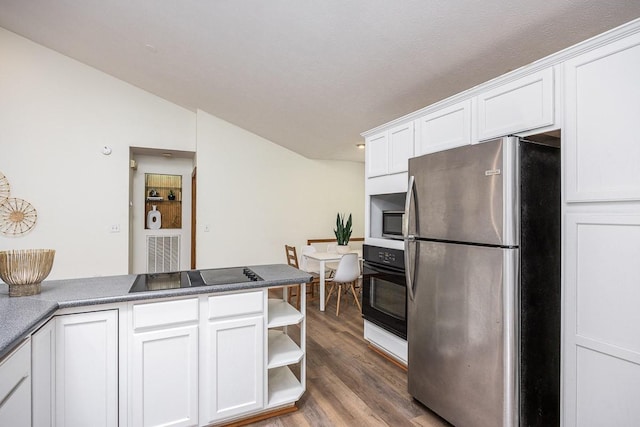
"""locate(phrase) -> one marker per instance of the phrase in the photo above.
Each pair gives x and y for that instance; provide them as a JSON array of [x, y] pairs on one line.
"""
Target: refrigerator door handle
[[409, 266], [408, 239], [407, 207]]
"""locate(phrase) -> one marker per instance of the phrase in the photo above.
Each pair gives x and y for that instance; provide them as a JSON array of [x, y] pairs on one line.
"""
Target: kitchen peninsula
[[92, 353]]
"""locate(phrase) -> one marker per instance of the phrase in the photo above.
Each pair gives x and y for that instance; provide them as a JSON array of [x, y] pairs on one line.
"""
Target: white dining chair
[[347, 274]]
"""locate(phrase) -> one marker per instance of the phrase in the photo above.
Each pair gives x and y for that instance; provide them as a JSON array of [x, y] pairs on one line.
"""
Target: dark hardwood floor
[[347, 383]]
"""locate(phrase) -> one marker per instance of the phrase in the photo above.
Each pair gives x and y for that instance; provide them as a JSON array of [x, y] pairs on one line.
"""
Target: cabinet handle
[[13, 390]]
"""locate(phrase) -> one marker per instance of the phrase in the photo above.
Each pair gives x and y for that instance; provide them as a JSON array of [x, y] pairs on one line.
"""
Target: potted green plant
[[343, 233]]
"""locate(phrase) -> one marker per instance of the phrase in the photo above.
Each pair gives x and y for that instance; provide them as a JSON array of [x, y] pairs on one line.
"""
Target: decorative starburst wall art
[[5, 191], [17, 216]]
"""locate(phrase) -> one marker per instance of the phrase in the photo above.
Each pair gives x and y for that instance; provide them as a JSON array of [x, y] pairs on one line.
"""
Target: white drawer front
[[165, 313], [235, 304]]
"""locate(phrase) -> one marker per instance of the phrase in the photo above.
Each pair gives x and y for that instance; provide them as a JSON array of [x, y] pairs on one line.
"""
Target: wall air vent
[[163, 253]]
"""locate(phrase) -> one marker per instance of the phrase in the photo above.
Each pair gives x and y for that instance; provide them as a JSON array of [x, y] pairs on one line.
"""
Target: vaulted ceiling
[[310, 75]]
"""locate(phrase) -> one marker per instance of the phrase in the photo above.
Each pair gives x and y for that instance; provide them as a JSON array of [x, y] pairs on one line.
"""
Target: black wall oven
[[384, 293]]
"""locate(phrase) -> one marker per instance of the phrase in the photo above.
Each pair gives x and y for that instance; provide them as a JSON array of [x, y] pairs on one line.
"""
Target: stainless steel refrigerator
[[482, 249]]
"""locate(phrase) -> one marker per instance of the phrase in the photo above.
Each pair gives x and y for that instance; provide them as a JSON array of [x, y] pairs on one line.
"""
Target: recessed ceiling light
[[167, 154], [151, 48], [360, 146]]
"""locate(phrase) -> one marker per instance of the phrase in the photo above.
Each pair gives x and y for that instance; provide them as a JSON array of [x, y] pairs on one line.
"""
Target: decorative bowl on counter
[[25, 269]]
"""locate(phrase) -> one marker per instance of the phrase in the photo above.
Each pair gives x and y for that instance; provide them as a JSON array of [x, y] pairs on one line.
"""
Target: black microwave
[[392, 224]]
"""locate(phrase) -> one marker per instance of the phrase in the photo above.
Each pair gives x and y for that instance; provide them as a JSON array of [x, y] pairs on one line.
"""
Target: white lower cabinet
[[15, 387], [43, 344], [86, 369], [233, 360], [195, 361], [165, 377], [164, 364]]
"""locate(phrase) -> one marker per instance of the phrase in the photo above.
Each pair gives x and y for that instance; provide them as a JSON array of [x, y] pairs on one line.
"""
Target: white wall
[[56, 114], [256, 196]]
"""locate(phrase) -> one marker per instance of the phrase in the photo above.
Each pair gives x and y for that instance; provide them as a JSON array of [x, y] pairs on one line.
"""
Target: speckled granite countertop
[[20, 315]]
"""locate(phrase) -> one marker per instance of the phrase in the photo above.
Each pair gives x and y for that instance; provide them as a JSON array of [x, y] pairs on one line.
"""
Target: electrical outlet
[[206, 228], [115, 228]]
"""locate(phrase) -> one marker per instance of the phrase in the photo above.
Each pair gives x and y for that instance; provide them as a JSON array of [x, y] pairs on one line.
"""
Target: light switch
[[115, 228]]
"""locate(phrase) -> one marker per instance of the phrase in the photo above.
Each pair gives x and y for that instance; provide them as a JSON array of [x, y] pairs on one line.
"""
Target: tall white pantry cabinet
[[601, 141], [591, 94]]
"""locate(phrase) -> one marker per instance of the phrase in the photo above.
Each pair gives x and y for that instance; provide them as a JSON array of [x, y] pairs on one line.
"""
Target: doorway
[[160, 210]]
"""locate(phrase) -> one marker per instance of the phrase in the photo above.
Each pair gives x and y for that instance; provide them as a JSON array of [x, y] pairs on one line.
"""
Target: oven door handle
[[378, 269], [409, 239]]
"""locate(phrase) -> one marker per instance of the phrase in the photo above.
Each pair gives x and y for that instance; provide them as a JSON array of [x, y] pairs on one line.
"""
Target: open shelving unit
[[167, 197], [282, 350], [283, 386]]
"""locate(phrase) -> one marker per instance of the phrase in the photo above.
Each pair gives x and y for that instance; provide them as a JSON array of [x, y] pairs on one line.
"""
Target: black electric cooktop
[[193, 278]]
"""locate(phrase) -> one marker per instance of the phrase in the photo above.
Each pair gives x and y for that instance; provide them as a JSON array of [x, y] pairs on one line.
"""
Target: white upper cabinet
[[377, 147], [524, 104], [443, 129], [400, 147], [602, 116], [388, 152]]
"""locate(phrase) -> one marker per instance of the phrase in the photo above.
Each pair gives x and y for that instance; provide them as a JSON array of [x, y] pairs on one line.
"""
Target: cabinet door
[[601, 362], [164, 385], [524, 104], [235, 367], [16, 410], [444, 129], [15, 388], [86, 363], [400, 147], [602, 122], [43, 374], [377, 147]]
